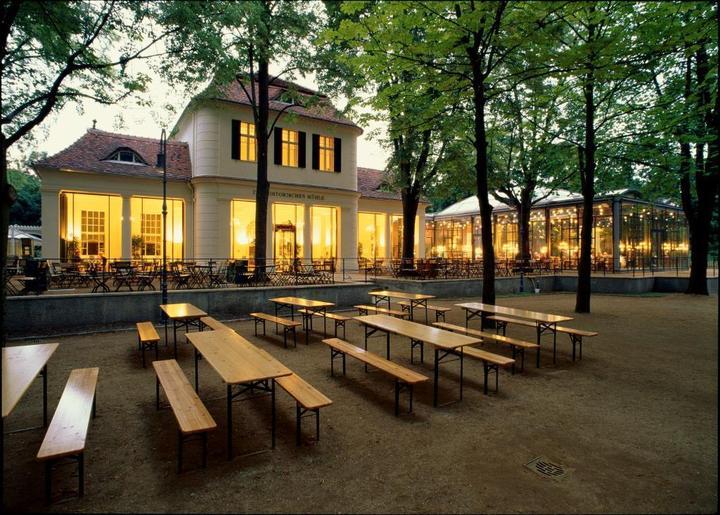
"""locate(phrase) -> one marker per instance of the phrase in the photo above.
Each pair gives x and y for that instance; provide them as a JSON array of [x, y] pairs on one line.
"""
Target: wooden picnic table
[[20, 366], [416, 300], [544, 322], [445, 343], [239, 364], [181, 314], [311, 306]]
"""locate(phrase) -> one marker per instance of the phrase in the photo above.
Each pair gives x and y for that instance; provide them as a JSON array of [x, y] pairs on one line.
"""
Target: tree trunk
[[262, 190], [410, 201], [523, 210], [481, 175], [587, 176], [7, 196], [707, 173]]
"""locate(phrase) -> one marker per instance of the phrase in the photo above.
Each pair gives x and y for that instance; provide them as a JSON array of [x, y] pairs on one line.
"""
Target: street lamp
[[162, 161]]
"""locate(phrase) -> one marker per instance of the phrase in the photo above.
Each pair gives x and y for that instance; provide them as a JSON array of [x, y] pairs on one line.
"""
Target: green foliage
[[215, 43], [71, 52], [26, 208]]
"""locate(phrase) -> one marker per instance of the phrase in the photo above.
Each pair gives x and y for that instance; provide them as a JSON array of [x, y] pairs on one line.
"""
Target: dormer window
[[126, 155]]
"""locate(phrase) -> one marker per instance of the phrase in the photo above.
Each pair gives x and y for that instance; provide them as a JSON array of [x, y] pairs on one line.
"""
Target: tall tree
[[605, 65], [237, 41], [529, 160], [362, 51], [74, 52]]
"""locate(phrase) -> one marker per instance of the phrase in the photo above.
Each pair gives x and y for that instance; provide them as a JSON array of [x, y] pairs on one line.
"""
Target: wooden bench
[[66, 435], [404, 378], [287, 325], [364, 309], [148, 338], [439, 310], [491, 363], [307, 398], [515, 344], [214, 325], [576, 335], [338, 319], [191, 414]]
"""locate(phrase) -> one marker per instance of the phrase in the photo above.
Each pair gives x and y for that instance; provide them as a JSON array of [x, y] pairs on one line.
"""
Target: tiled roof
[[369, 183], [321, 110], [88, 154]]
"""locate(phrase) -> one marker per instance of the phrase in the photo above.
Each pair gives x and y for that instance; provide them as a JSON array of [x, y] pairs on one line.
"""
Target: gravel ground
[[634, 424]]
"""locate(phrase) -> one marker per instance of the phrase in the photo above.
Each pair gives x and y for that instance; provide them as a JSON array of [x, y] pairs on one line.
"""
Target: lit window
[[146, 226], [126, 155], [289, 148], [248, 142], [92, 232], [327, 154]]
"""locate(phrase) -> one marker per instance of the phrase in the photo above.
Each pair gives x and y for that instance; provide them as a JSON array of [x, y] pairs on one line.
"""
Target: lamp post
[[162, 161]]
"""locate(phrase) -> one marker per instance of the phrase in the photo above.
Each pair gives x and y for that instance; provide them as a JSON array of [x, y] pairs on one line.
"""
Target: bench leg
[[81, 474], [294, 331], [397, 397], [298, 419], [143, 355], [485, 370], [514, 352], [48, 481], [157, 393], [285, 331], [205, 448], [180, 451]]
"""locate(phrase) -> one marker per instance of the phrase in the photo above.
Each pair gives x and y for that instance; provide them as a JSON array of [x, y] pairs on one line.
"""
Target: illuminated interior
[[371, 235], [146, 228], [248, 142], [288, 226], [506, 236], [564, 233], [242, 227], [90, 226], [396, 232], [324, 232], [289, 148], [327, 153]]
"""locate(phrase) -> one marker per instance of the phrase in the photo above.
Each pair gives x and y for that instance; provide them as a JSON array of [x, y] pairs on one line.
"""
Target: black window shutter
[[235, 143], [278, 146], [338, 154], [316, 151], [301, 149]]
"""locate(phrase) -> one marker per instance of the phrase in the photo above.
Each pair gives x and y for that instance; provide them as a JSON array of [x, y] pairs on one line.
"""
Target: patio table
[[416, 300], [181, 314], [311, 307], [242, 367], [544, 322]]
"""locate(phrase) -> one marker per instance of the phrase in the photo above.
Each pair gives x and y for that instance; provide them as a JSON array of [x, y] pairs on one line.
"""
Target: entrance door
[[285, 248]]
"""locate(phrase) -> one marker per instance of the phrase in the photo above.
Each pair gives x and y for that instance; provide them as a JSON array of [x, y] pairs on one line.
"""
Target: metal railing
[[105, 275]]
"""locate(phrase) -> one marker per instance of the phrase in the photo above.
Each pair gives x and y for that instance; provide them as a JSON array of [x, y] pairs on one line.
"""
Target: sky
[[65, 126]]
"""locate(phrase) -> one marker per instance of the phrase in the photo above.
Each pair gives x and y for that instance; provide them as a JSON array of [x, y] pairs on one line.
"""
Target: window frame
[[326, 154], [292, 148], [246, 140]]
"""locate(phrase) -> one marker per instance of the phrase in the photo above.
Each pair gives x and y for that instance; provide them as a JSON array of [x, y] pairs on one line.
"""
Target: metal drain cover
[[546, 468]]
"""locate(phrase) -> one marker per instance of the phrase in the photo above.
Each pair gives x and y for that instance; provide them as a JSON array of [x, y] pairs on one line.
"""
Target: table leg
[[539, 333], [435, 374], [461, 373], [324, 313], [229, 422], [273, 411], [175, 336], [387, 345], [424, 303], [197, 383], [45, 410], [554, 330]]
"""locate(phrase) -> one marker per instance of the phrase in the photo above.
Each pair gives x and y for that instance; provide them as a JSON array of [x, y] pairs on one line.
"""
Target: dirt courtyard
[[634, 424]]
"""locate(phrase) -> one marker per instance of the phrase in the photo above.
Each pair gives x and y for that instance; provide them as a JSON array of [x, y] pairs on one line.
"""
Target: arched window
[[126, 155]]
